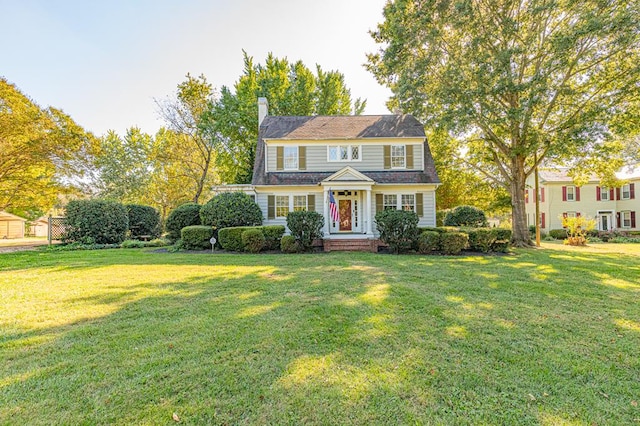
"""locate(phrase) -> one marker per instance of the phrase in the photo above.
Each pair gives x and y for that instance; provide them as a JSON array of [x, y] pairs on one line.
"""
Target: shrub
[[253, 240], [196, 237], [502, 239], [185, 215], [230, 209], [143, 220], [466, 216], [577, 228], [231, 238], [558, 234], [272, 235], [480, 239], [624, 240], [157, 242], [398, 229], [288, 244], [431, 229], [305, 227], [440, 215], [428, 242], [454, 242], [95, 222], [132, 244]]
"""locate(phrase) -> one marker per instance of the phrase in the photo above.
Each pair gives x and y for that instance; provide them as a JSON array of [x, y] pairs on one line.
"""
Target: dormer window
[[398, 158], [343, 153], [291, 158]]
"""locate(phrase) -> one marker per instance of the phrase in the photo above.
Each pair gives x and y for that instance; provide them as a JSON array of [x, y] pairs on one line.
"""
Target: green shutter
[[379, 205], [279, 157], [409, 152], [302, 158], [387, 156], [271, 207], [419, 204], [311, 202]]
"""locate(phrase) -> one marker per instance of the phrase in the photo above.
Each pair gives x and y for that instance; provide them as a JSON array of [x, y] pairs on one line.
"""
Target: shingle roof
[[340, 127]]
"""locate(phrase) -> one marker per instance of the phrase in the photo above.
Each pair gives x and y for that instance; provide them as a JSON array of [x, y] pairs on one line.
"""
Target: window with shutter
[[420, 204]]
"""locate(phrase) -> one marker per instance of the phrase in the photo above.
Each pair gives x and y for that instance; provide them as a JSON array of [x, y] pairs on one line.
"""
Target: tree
[[291, 89], [197, 138], [522, 81], [43, 153]]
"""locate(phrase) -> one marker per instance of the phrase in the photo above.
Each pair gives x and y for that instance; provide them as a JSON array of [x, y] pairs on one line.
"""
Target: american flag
[[333, 208]]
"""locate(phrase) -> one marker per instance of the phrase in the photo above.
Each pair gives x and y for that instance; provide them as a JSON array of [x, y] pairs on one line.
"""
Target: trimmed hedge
[[453, 242], [288, 244], [231, 209], [558, 234], [429, 241], [95, 222], [305, 226], [253, 240], [185, 215], [143, 221], [398, 229], [272, 235], [196, 237], [231, 238], [466, 216]]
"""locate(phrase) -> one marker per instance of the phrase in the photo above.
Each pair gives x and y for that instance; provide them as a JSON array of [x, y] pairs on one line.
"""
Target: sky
[[105, 62]]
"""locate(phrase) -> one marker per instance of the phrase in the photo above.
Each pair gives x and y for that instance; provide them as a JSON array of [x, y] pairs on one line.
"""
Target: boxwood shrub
[[196, 237], [253, 240], [272, 235], [95, 222], [231, 238], [305, 227], [428, 241], [230, 209], [453, 242], [398, 229], [466, 216], [185, 215], [288, 244], [558, 234], [143, 221]]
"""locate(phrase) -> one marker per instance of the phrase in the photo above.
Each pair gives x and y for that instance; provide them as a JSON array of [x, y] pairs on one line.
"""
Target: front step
[[356, 244]]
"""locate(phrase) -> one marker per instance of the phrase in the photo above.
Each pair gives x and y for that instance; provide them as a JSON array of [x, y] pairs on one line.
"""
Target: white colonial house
[[612, 208], [367, 162]]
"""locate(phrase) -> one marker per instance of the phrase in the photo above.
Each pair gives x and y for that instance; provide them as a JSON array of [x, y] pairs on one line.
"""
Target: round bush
[[454, 242], [253, 240], [185, 215], [428, 242], [95, 222], [466, 216], [231, 209], [305, 227], [288, 244], [143, 221], [558, 234], [398, 229], [196, 237]]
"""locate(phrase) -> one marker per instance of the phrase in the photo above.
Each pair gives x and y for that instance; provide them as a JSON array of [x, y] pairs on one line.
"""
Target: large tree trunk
[[520, 236]]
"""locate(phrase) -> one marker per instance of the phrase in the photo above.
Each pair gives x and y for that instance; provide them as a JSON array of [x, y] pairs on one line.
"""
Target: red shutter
[[597, 193], [577, 214], [618, 220], [542, 195], [632, 190], [542, 221], [618, 193], [633, 219], [611, 195], [577, 193], [564, 193], [526, 195]]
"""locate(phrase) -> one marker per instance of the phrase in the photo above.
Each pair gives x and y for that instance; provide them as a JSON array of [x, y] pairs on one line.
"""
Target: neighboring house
[[11, 226], [369, 163], [40, 227], [612, 208]]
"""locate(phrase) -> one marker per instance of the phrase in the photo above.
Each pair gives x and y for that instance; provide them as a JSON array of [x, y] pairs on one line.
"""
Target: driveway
[[21, 244]]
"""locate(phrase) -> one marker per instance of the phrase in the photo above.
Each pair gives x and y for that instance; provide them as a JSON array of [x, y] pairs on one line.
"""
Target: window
[[290, 157], [626, 192], [282, 205], [299, 203], [604, 193], [571, 193], [344, 153], [390, 202], [409, 202], [397, 156], [626, 219], [571, 214]]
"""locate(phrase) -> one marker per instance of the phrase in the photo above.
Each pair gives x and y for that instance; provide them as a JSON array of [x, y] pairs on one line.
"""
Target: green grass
[[547, 336]]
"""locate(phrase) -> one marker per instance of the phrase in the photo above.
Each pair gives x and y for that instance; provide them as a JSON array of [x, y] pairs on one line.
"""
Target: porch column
[[325, 204], [369, 215]]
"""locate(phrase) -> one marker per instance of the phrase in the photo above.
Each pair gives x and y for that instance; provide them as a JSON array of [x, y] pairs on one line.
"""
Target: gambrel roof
[[340, 128]]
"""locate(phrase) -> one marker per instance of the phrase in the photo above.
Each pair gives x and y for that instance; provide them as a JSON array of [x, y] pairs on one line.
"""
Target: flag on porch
[[333, 208]]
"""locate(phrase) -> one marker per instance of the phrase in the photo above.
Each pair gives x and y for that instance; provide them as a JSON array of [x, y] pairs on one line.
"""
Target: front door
[[605, 221], [344, 207]]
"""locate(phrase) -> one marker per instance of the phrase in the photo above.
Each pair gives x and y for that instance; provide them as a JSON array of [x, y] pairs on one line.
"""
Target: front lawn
[[547, 336]]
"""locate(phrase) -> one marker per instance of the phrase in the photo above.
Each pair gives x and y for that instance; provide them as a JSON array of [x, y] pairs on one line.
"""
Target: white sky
[[104, 62]]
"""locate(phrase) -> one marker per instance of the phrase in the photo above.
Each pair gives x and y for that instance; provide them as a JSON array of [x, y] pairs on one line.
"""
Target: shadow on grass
[[542, 337]]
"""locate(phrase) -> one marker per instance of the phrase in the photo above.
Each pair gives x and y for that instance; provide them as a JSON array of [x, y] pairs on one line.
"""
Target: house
[[11, 226], [612, 208], [39, 227], [367, 163]]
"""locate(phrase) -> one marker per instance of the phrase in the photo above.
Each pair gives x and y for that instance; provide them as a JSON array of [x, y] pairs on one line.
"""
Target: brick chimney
[[263, 109]]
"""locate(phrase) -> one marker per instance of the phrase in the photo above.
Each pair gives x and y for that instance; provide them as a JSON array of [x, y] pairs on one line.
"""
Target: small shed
[[11, 226], [40, 227]]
